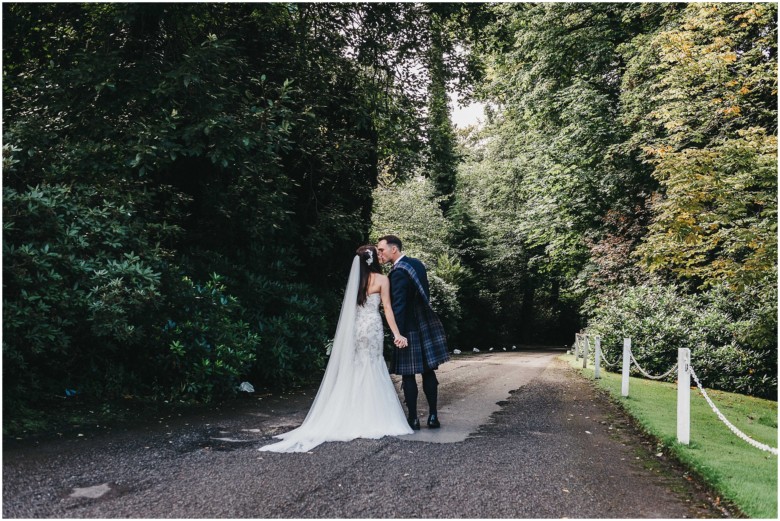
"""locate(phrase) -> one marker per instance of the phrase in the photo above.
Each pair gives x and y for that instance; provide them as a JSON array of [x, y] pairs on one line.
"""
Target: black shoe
[[414, 423], [433, 421]]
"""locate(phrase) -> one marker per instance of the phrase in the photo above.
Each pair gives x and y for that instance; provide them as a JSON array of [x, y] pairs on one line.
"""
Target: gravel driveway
[[524, 436]]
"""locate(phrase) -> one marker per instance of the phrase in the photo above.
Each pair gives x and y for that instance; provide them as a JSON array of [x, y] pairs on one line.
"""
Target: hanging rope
[[756, 444], [667, 373]]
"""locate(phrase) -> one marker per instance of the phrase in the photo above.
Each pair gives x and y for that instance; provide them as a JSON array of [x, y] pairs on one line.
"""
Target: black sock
[[430, 388], [409, 386]]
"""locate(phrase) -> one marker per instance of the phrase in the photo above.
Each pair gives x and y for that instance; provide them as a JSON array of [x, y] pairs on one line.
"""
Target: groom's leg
[[409, 385], [430, 388]]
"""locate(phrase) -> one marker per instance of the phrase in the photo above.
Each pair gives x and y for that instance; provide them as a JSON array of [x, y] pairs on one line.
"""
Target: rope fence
[[667, 373], [607, 362], [732, 428], [685, 372]]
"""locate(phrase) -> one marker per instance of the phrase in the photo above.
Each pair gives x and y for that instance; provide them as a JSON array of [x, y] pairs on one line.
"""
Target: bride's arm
[[385, 294]]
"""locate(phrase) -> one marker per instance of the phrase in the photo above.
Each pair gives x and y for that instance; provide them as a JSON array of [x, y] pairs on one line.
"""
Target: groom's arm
[[399, 288]]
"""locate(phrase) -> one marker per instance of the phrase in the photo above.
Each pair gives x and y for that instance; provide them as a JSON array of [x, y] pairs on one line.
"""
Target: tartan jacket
[[416, 320]]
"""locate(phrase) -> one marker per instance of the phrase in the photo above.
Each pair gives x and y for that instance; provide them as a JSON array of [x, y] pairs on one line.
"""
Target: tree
[[703, 93], [185, 182], [411, 211], [442, 161], [546, 170]]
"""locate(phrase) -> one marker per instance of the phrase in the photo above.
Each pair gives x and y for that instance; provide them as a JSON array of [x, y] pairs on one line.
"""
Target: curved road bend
[[523, 436]]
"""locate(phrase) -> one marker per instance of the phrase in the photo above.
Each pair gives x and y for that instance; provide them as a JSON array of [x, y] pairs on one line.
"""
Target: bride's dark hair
[[369, 263]]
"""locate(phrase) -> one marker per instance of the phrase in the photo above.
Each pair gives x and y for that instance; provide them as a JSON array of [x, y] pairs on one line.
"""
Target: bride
[[356, 398]]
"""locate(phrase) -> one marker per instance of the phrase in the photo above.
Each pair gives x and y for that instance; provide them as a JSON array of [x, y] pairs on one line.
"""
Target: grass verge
[[741, 473]]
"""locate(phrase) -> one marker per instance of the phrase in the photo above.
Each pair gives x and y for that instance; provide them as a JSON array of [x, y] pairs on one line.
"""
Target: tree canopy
[[629, 149]]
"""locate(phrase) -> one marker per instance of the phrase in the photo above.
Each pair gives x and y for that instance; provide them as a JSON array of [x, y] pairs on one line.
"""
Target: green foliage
[[540, 176], [442, 161], [630, 154], [209, 347], [732, 346], [183, 184], [294, 332], [81, 285], [701, 95], [718, 218], [411, 211]]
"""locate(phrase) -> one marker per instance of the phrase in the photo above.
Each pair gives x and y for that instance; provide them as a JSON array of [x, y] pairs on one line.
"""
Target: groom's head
[[389, 248]]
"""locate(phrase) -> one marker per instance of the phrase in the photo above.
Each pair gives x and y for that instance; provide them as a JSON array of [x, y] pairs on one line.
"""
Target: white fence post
[[626, 364], [683, 396], [576, 345], [585, 351], [597, 369]]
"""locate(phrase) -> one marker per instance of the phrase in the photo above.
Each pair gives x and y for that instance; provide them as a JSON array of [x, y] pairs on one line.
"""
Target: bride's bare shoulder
[[377, 279]]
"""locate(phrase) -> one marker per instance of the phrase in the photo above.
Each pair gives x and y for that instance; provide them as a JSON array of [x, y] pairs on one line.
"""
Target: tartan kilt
[[427, 347]]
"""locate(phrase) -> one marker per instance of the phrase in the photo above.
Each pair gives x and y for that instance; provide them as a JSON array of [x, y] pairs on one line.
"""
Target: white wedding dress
[[356, 398]]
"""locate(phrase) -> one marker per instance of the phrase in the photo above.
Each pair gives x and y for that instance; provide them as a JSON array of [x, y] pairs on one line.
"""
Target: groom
[[416, 321]]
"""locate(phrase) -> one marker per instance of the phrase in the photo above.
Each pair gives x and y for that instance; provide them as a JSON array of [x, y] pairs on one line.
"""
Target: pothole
[[214, 438], [93, 492]]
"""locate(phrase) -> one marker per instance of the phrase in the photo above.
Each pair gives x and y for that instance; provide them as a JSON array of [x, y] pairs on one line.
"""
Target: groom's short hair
[[392, 239]]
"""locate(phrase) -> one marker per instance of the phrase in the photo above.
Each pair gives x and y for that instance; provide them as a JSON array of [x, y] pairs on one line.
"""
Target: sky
[[468, 115]]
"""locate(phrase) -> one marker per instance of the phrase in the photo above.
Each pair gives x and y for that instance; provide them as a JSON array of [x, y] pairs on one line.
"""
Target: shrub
[[209, 347], [730, 335], [294, 337], [445, 285], [74, 300], [291, 321], [90, 304]]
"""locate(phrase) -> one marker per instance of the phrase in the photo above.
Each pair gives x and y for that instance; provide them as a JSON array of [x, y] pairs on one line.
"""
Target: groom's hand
[[401, 342]]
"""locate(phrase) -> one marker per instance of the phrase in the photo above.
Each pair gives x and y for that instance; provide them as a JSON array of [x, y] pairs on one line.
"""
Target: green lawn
[[741, 473]]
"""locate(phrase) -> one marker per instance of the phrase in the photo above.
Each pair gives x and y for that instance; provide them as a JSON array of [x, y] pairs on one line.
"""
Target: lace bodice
[[371, 304], [369, 334]]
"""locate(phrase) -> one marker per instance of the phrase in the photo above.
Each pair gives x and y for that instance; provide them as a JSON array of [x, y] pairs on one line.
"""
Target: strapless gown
[[365, 403]]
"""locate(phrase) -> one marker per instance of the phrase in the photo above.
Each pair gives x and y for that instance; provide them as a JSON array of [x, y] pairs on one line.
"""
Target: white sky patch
[[462, 117]]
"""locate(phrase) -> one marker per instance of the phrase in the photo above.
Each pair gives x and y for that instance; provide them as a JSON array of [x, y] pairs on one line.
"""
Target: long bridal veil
[[332, 404]]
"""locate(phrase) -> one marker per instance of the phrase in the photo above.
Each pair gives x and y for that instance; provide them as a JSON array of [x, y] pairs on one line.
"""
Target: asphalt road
[[523, 436]]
